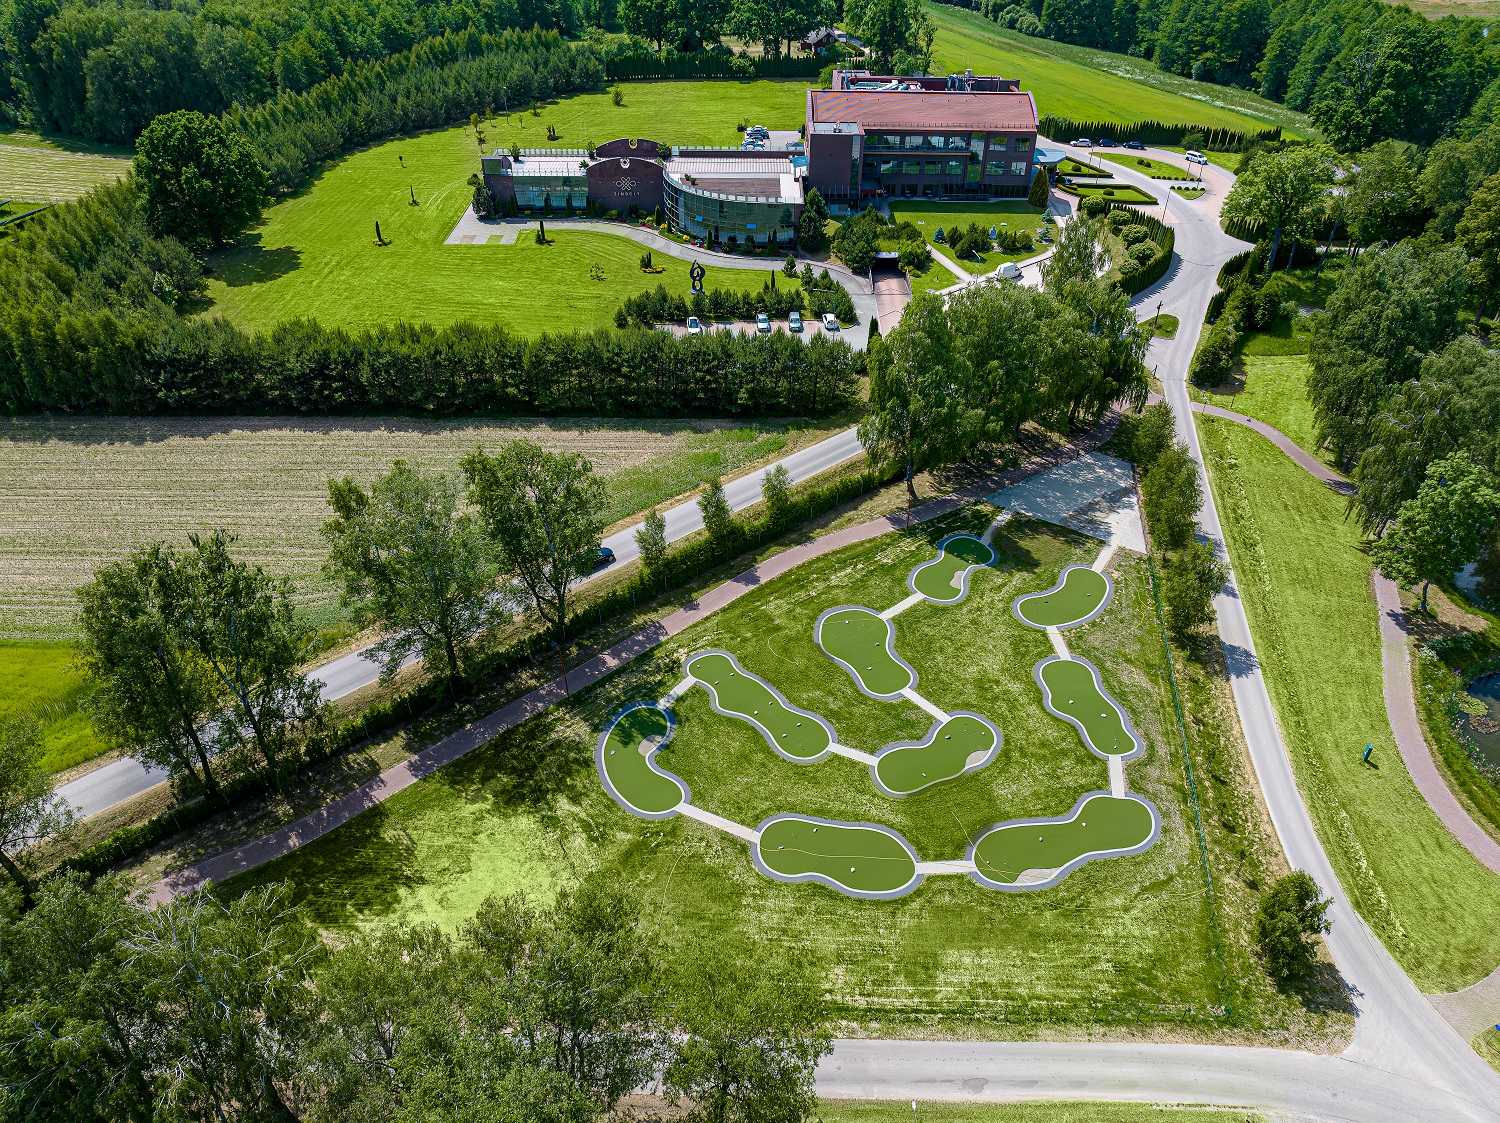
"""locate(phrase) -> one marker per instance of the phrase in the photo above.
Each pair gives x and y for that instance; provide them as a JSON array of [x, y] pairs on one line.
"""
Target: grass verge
[[1305, 581], [1273, 389], [929, 217], [37, 681], [1040, 1111]]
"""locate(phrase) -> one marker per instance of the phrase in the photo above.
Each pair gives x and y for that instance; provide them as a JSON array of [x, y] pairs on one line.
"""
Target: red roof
[[926, 109]]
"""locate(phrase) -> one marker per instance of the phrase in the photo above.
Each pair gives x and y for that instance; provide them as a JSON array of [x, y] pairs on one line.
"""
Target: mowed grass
[[1275, 391], [1306, 586], [38, 683], [1120, 942], [1090, 85], [929, 217], [314, 254], [78, 492], [1039, 1111], [38, 169]]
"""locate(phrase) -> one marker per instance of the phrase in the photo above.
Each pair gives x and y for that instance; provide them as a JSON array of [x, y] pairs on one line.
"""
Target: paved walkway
[[1311, 464], [429, 760]]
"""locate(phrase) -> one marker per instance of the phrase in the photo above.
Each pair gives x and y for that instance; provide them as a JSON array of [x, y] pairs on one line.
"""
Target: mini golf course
[[1079, 595], [867, 859]]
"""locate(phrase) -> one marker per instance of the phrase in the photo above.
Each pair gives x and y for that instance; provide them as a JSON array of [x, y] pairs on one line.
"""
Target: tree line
[[89, 319], [232, 1009], [1364, 71], [104, 71]]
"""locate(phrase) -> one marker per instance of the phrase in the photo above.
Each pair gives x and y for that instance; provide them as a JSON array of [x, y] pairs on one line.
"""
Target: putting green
[[625, 765], [960, 743], [1102, 823], [855, 858], [942, 579], [1080, 594], [861, 640], [1072, 693], [747, 696]]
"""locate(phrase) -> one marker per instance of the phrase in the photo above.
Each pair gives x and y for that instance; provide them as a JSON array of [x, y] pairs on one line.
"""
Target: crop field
[[1124, 942], [1305, 580], [314, 254], [77, 493], [37, 169], [1090, 85], [928, 217]]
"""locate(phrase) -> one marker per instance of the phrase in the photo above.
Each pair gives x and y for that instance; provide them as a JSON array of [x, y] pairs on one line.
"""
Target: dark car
[[1135, 145], [606, 557], [1105, 142]]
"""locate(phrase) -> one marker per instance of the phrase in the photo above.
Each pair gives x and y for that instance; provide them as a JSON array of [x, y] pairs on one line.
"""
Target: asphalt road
[[1405, 1062], [119, 780]]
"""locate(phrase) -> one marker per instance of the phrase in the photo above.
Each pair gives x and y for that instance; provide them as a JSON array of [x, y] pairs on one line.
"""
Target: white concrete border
[[822, 879], [963, 589], [1135, 738], [890, 647], [609, 786]]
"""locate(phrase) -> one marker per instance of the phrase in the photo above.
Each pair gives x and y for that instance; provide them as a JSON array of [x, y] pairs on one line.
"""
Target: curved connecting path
[[429, 760]]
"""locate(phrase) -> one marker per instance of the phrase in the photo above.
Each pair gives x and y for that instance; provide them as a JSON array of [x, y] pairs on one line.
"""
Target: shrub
[[1093, 206], [1215, 355], [914, 257], [1133, 233], [1037, 196], [1141, 252], [1290, 917], [1117, 219]]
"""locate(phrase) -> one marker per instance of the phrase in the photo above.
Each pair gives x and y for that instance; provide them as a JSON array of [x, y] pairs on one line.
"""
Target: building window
[[972, 173], [997, 144], [889, 141], [976, 144], [869, 163], [934, 167], [1022, 143], [955, 167], [994, 167], [914, 142], [911, 167], [938, 142], [888, 167], [956, 142], [1018, 167]]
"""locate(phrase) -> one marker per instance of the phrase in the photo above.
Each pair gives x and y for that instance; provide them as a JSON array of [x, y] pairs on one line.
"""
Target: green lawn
[[313, 253], [1306, 586], [1275, 391], [1156, 169], [37, 681], [1119, 192], [929, 217], [1229, 161], [1090, 85], [934, 278], [1040, 1111], [1075, 166], [1122, 942], [1163, 326]]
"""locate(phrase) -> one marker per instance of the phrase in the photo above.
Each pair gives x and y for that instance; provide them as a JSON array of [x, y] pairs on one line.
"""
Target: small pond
[[1484, 729]]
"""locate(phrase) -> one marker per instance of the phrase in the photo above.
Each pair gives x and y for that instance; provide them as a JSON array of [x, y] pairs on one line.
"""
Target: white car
[[762, 322], [794, 321], [1010, 271], [1082, 142], [695, 326], [1195, 157], [830, 322]]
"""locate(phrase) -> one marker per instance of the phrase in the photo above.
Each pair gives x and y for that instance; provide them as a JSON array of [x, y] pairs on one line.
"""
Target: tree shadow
[[532, 767], [248, 262]]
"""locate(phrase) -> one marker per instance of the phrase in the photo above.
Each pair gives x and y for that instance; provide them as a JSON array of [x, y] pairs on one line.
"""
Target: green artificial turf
[[868, 860], [1125, 942], [1010, 214], [1071, 687], [38, 682], [313, 255], [1082, 592], [1305, 581], [938, 580], [1093, 85], [1275, 391], [748, 696], [858, 636], [1102, 823], [625, 763], [1156, 169], [1036, 1111], [942, 756]]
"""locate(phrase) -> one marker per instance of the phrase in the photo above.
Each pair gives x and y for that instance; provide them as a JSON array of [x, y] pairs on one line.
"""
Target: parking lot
[[810, 328]]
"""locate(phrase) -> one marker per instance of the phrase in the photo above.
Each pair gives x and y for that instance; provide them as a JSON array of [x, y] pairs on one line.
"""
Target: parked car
[[757, 130], [1195, 157], [606, 557], [830, 322], [1010, 271], [762, 322], [794, 321], [1135, 146], [1082, 142], [695, 326], [1105, 142]]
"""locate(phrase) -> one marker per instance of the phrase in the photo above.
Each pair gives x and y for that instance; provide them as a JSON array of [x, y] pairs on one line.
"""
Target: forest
[[1364, 71]]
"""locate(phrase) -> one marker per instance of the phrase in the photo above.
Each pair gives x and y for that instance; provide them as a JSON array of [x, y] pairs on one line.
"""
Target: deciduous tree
[[1478, 232], [651, 540], [718, 519], [201, 182], [1172, 495], [1077, 257], [29, 809], [776, 491], [1285, 191], [1192, 576], [1292, 915], [410, 563], [544, 513]]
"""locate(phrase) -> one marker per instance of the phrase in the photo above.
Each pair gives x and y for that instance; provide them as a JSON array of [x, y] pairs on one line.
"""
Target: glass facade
[[709, 216], [537, 190]]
